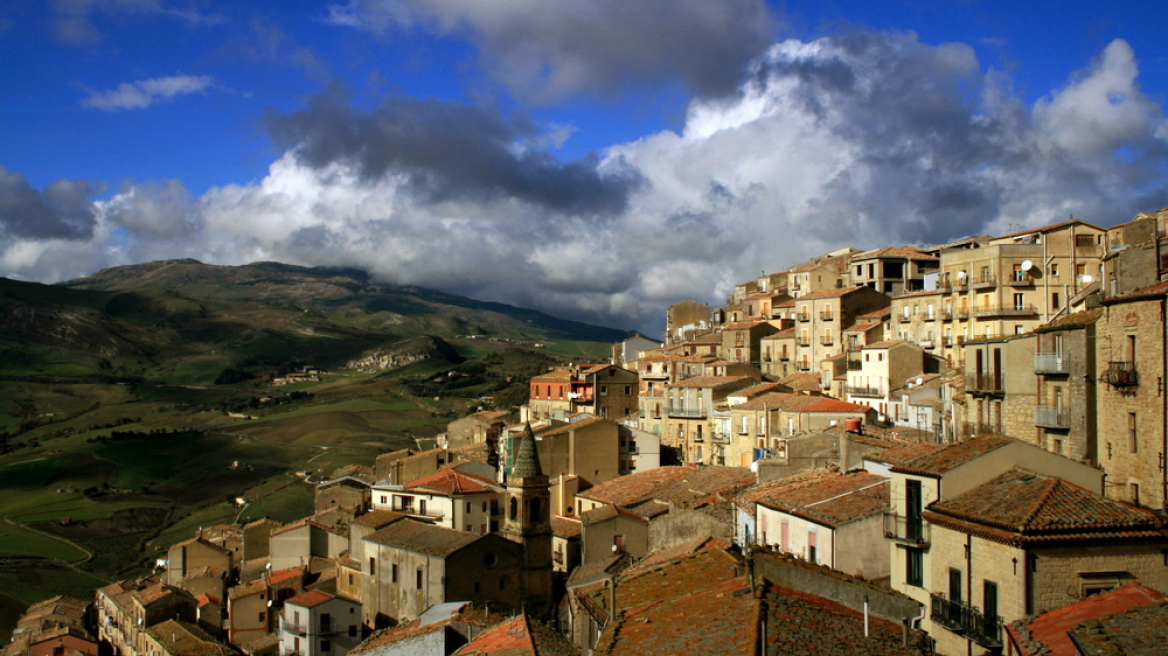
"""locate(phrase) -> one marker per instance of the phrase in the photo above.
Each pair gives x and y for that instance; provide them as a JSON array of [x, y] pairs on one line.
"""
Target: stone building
[[822, 317], [1024, 543], [686, 320], [690, 414], [599, 389], [1131, 360], [895, 270], [740, 341]]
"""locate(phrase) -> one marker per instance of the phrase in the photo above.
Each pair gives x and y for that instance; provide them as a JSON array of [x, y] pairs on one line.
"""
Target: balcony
[[967, 621], [803, 341], [685, 412], [1121, 374], [855, 365], [304, 629], [1020, 280], [1051, 363], [826, 340], [871, 392], [803, 316], [1051, 417], [926, 343], [827, 316], [984, 282], [1005, 311], [989, 382], [803, 366], [906, 530]]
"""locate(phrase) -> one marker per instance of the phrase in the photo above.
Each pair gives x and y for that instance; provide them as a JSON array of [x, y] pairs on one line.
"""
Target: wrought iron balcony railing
[[1051, 417], [1121, 374], [985, 630], [1051, 363], [906, 530]]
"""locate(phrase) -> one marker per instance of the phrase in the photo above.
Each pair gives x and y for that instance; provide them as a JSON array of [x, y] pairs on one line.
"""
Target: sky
[[594, 159]]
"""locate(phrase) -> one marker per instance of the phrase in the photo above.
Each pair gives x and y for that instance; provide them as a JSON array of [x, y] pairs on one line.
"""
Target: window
[[628, 390], [989, 599], [372, 565], [1054, 269], [352, 630], [393, 575], [263, 617], [812, 548], [1133, 443], [604, 390], [914, 567], [1135, 494], [468, 507], [1019, 301], [955, 585], [418, 579], [1055, 301], [325, 646]]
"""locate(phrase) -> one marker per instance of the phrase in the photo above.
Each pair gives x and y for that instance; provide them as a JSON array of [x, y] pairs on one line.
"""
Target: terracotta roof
[[379, 518], [743, 325], [938, 461], [398, 634], [694, 605], [756, 390], [835, 405], [597, 570], [786, 333], [566, 527], [860, 328], [311, 599], [1141, 630], [919, 294], [1049, 633], [708, 338], [423, 538], [512, 638], [895, 251], [801, 623], [830, 499], [452, 481], [876, 315], [885, 344], [801, 382], [185, 639], [557, 375], [783, 401], [671, 554], [1072, 321], [1053, 226], [698, 382], [663, 482], [904, 455], [1021, 507], [206, 543]]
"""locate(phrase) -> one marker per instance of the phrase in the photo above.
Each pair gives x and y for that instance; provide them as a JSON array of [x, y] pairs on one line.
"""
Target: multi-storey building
[[741, 341], [821, 318], [690, 415], [316, 623], [1000, 386], [1131, 357], [916, 317], [600, 389], [778, 353], [1013, 284], [885, 367], [894, 270], [1067, 386]]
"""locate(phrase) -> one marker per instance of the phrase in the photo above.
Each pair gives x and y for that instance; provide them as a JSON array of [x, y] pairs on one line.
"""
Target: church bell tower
[[528, 523]]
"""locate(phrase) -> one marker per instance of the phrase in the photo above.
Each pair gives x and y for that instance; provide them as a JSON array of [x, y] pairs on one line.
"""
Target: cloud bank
[[865, 139]]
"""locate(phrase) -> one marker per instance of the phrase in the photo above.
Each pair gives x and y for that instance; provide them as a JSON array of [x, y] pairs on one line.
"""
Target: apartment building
[[690, 415], [1000, 386], [822, 317], [885, 368], [603, 390], [1067, 386], [895, 270]]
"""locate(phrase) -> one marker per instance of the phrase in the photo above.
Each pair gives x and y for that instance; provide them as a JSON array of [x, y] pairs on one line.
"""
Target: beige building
[[690, 415], [821, 319], [885, 367], [895, 270], [1025, 543], [778, 353], [1000, 387], [1065, 413], [924, 474], [1013, 284], [916, 318], [740, 341], [599, 389], [686, 320]]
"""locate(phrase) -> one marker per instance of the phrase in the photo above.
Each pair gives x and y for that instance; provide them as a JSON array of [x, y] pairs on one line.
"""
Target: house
[[894, 270], [126, 609], [741, 341], [566, 543], [630, 349], [300, 542], [822, 317], [519, 636], [1024, 543], [923, 474], [831, 519], [690, 414], [646, 511], [50, 628], [178, 638], [884, 369], [601, 389], [478, 428], [686, 320], [1093, 622], [252, 607], [449, 497], [778, 352], [348, 490], [315, 623], [189, 555]]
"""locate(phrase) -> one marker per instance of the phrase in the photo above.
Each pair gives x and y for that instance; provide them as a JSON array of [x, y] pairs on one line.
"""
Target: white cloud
[[865, 140], [144, 93]]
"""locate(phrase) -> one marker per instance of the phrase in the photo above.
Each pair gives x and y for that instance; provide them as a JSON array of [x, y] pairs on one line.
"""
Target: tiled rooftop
[[1021, 507], [310, 599], [893, 252], [801, 623], [1142, 631], [566, 527], [783, 401], [935, 462], [378, 518], [1072, 321], [835, 405], [829, 499], [422, 538], [802, 382], [451, 481], [715, 382], [1049, 633], [663, 482]]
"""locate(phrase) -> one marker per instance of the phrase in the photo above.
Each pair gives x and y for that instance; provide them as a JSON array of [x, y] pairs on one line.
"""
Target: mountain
[[332, 289]]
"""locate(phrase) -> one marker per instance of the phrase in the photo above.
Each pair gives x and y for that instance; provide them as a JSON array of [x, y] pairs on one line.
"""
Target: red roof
[[1049, 631], [450, 480], [310, 599], [835, 405], [512, 637]]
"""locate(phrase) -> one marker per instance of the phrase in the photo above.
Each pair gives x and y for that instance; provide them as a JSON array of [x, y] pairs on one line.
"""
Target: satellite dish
[[1027, 265], [919, 380], [1087, 280], [961, 274]]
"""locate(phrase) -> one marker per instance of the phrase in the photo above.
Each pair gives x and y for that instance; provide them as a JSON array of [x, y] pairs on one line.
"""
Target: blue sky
[[594, 158]]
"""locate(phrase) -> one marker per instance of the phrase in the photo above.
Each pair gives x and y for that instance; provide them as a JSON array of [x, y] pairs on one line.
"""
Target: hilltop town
[[957, 449]]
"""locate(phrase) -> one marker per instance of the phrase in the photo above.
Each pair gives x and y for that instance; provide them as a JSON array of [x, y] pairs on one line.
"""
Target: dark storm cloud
[[552, 49], [447, 151], [61, 211]]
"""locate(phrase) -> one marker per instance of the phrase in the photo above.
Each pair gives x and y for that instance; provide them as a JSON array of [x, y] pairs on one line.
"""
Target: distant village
[[952, 450]]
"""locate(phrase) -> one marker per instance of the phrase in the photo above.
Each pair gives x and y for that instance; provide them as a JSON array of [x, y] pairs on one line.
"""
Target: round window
[[490, 559]]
